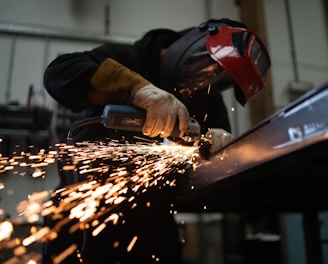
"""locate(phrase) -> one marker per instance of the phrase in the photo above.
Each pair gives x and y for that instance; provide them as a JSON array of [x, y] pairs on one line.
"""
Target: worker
[[173, 75]]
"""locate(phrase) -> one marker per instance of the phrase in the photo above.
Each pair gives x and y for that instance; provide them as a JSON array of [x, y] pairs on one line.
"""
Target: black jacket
[[67, 80]]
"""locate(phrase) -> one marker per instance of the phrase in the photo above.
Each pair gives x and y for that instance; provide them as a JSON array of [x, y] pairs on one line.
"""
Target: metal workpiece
[[279, 152]]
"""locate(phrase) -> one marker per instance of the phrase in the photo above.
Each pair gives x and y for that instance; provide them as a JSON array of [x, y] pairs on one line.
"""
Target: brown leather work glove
[[113, 83]]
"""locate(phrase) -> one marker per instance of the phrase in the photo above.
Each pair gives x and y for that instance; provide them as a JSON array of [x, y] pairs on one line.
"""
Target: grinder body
[[130, 118]]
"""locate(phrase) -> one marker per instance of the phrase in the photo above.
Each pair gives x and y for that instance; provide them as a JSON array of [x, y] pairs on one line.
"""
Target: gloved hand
[[163, 109], [113, 83], [218, 138]]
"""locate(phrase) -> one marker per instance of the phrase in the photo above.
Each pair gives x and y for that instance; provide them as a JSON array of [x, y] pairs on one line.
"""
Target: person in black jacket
[[172, 75]]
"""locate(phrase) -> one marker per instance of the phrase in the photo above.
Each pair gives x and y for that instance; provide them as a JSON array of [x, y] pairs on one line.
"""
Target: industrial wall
[[298, 42]]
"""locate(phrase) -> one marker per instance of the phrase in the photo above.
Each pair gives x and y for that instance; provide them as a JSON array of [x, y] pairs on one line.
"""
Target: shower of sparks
[[103, 176]]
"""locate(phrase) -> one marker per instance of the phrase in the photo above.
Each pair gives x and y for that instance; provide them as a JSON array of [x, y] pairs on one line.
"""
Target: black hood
[[149, 47]]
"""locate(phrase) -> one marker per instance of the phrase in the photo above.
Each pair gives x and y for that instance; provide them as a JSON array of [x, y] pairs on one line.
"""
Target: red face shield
[[219, 57], [241, 55]]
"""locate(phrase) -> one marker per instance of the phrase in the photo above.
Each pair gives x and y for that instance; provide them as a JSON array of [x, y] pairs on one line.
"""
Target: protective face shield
[[215, 56]]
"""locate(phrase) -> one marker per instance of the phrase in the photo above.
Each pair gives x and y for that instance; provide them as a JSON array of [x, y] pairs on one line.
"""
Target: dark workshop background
[[34, 32]]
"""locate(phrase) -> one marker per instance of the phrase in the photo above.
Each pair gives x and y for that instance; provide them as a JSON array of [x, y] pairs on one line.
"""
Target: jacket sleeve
[[68, 78]]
